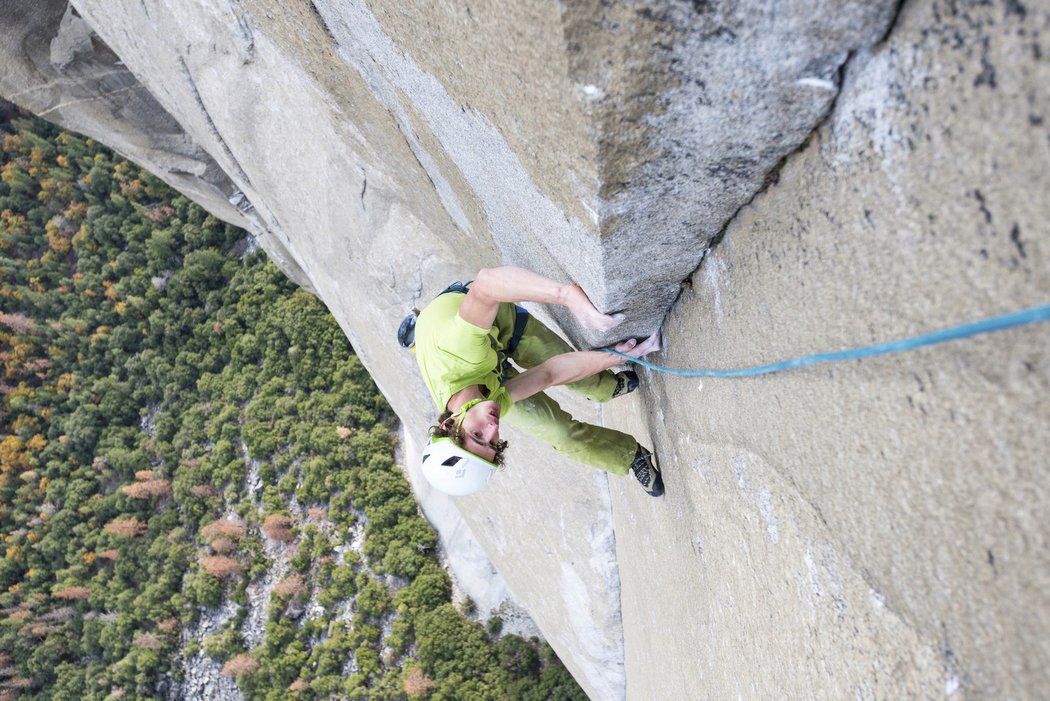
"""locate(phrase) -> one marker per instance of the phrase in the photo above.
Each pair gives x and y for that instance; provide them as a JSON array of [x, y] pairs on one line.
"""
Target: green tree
[[155, 386]]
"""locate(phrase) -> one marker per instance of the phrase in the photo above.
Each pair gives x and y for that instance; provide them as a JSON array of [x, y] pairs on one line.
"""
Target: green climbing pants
[[542, 418]]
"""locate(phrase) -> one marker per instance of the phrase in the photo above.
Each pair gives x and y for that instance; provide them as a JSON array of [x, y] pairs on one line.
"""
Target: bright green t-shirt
[[453, 354]]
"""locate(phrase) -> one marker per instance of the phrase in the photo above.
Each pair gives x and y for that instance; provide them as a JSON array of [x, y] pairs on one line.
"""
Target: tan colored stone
[[871, 529]]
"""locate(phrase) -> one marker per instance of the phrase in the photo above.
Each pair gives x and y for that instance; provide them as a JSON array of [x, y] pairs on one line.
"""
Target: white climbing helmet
[[454, 470]]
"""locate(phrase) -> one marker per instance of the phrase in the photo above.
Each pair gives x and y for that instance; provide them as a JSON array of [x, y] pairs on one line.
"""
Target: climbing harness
[[406, 333], [1024, 317]]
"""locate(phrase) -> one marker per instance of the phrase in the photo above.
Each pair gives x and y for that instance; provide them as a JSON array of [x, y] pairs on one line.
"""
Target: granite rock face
[[56, 66], [864, 171]]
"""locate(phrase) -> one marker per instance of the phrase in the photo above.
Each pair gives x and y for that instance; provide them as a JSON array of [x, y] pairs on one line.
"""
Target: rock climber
[[464, 340]]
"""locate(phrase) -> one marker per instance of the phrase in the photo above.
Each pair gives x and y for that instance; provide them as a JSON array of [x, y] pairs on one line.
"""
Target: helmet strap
[[462, 412]]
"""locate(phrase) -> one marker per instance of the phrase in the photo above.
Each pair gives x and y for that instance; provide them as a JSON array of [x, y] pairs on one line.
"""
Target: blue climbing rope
[[1034, 315]]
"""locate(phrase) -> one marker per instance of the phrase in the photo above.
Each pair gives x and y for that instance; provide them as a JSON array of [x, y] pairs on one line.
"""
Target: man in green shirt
[[463, 340]]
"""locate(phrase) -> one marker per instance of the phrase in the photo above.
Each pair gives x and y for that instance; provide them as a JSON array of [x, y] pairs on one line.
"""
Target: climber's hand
[[635, 349], [590, 318]]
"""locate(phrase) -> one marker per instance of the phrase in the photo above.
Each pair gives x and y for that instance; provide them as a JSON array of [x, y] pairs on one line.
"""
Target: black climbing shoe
[[647, 473], [626, 382]]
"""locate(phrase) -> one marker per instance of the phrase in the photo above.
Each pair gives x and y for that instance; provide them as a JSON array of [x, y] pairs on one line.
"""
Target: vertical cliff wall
[[866, 171], [869, 529]]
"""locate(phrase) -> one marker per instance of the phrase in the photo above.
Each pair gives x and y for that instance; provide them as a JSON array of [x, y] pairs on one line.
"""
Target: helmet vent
[[449, 462]]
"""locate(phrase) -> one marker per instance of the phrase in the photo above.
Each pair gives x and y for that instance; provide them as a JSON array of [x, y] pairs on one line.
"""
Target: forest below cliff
[[195, 468]]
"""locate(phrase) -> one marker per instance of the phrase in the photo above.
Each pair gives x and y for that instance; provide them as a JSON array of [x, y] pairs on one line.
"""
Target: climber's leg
[[604, 448]]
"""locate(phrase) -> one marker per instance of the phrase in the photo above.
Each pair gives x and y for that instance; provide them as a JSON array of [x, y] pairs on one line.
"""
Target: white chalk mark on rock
[[765, 507], [820, 83]]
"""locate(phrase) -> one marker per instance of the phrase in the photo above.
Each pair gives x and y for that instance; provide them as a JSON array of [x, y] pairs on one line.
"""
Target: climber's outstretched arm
[[493, 286], [567, 368]]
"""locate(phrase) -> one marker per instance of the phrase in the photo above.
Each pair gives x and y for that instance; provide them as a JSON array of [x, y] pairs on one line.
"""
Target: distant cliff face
[[869, 171]]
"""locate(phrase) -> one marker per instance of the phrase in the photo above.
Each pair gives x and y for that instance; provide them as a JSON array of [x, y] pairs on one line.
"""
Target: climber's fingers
[[637, 350], [586, 313]]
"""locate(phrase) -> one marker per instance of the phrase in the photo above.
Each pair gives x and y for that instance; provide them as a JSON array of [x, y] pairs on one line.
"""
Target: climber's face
[[479, 429]]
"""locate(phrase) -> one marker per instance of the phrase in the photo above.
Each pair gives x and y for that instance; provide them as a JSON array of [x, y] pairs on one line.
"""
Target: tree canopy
[[183, 432]]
